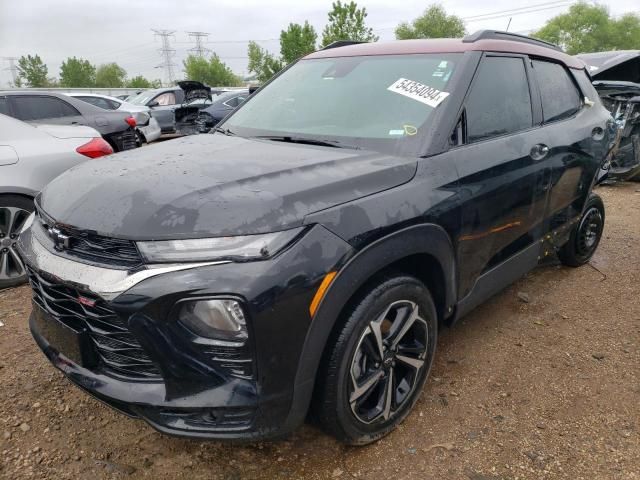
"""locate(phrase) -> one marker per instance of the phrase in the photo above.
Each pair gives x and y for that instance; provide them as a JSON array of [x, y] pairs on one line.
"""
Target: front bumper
[[194, 395]]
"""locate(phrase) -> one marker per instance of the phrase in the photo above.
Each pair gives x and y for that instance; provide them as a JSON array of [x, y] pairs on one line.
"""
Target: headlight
[[215, 319], [246, 247]]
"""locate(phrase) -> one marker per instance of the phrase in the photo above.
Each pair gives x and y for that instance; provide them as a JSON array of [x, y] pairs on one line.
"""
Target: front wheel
[[585, 236], [378, 361], [14, 211]]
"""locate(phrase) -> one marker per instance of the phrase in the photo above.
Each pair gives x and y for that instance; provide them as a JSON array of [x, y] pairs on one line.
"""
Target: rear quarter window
[[560, 96], [41, 107]]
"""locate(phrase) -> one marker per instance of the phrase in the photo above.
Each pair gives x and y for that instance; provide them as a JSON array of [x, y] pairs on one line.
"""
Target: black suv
[[302, 258]]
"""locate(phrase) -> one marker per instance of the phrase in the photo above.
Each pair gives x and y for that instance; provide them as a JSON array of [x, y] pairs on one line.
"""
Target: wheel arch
[[425, 251]]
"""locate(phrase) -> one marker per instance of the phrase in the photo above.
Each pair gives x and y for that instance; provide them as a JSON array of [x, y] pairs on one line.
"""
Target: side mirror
[[153, 104]]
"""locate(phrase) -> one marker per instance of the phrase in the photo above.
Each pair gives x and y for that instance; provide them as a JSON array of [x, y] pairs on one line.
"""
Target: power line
[[13, 68], [167, 53], [511, 10], [199, 50]]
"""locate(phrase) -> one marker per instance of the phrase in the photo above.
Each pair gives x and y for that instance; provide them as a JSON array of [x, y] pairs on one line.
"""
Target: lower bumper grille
[[117, 349], [125, 140]]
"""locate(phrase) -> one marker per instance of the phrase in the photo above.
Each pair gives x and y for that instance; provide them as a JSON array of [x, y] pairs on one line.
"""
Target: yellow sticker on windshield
[[418, 91], [410, 129]]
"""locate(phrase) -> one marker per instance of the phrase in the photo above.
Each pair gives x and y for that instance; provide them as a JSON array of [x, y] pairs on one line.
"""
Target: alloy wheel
[[589, 232], [387, 362], [11, 221]]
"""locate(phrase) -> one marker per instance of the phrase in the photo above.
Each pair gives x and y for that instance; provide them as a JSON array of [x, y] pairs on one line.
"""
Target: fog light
[[215, 319]]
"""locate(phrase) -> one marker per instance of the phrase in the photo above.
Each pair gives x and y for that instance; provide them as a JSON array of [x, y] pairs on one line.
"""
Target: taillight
[[130, 121], [97, 147]]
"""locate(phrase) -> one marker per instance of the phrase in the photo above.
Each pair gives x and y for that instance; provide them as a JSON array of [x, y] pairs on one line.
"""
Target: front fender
[[419, 239]]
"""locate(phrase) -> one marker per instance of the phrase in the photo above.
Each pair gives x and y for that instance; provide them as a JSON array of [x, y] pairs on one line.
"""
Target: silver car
[[147, 126], [30, 157]]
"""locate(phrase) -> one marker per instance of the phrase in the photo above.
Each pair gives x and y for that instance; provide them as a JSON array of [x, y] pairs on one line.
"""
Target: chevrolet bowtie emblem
[[60, 240]]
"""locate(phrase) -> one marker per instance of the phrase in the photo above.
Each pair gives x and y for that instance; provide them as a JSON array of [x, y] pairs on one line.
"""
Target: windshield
[[143, 98], [381, 103]]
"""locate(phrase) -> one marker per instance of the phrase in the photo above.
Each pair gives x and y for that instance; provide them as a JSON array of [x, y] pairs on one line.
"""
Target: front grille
[[118, 350], [91, 246]]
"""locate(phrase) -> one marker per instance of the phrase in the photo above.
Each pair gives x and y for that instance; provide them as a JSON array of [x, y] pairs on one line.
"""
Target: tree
[[210, 72], [589, 28], [433, 23], [76, 72], [139, 82], [262, 63], [346, 22], [32, 72], [110, 75], [297, 41]]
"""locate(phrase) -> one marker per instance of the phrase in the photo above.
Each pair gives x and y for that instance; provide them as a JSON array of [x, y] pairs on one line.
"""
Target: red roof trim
[[447, 45]]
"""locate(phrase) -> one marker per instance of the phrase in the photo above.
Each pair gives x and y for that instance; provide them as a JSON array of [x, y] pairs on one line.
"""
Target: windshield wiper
[[224, 131], [306, 141]]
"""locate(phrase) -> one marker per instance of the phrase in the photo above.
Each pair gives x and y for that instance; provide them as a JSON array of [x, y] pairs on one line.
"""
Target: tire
[[343, 405], [14, 210], [585, 236]]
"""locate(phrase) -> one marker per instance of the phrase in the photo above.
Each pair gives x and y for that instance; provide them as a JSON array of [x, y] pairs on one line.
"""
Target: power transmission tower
[[167, 54], [13, 68], [200, 50]]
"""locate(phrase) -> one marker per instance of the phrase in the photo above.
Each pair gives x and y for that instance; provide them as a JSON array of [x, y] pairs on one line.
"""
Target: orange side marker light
[[317, 298]]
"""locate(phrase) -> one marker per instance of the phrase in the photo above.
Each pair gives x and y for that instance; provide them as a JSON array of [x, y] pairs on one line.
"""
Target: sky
[[121, 30]]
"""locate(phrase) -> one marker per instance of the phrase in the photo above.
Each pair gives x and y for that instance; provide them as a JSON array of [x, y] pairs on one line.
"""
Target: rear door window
[[499, 102], [560, 96], [40, 107]]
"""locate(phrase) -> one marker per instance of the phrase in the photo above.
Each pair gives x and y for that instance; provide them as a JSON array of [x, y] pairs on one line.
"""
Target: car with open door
[[30, 157], [176, 108], [302, 258]]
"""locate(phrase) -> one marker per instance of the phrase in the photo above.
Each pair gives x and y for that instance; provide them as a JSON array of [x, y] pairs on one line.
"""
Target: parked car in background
[[616, 77], [117, 128], [147, 126], [176, 108], [306, 253], [30, 157], [221, 106]]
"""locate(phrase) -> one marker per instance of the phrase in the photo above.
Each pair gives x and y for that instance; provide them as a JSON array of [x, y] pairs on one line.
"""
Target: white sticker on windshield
[[418, 91]]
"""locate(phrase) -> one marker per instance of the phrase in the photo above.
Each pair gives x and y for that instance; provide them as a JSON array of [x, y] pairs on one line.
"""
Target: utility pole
[[199, 50], [13, 68], [167, 54]]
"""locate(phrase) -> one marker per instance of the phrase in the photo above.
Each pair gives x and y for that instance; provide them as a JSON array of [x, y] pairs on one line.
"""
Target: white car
[[147, 126], [30, 157]]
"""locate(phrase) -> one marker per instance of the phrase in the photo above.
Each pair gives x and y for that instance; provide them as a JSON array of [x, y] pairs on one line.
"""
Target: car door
[[45, 109], [575, 135], [163, 110], [503, 171]]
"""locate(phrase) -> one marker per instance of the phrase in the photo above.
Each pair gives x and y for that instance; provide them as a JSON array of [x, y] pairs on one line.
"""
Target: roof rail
[[499, 35], [341, 43]]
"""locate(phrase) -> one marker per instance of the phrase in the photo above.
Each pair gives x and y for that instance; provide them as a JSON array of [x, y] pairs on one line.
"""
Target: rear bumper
[[125, 140]]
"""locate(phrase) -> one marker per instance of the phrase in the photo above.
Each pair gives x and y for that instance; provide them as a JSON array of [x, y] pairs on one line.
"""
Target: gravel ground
[[540, 382]]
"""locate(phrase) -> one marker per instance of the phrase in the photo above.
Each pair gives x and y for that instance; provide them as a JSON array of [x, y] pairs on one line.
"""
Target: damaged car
[[616, 77], [302, 258], [177, 109]]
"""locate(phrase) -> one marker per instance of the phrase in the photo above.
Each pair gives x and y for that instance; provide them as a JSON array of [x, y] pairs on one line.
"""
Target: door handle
[[539, 151]]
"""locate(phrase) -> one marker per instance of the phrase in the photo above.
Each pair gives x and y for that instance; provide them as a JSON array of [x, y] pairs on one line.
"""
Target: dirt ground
[[543, 381]]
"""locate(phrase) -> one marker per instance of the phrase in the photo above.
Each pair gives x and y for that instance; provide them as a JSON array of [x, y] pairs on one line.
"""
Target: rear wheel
[[585, 236], [14, 211], [379, 360]]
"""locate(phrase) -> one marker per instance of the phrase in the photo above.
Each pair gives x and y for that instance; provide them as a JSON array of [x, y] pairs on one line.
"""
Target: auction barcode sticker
[[418, 91]]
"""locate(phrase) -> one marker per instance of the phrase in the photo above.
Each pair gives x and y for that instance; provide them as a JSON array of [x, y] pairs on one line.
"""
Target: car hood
[[194, 90], [615, 65], [215, 185]]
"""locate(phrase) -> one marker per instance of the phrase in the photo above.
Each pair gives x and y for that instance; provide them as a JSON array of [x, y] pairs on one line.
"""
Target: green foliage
[[297, 41], [589, 28], [110, 75], [212, 72], [262, 63], [77, 73], [433, 23], [347, 22], [138, 82], [32, 72]]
